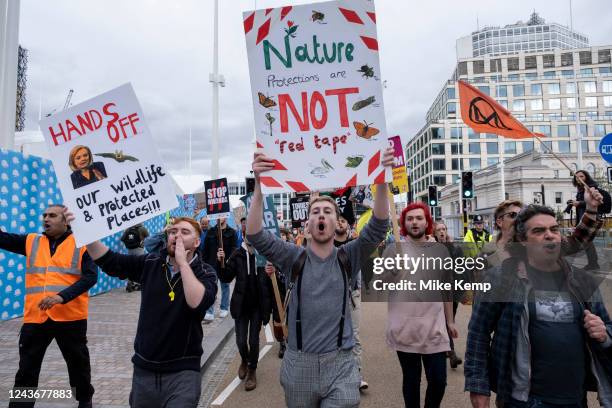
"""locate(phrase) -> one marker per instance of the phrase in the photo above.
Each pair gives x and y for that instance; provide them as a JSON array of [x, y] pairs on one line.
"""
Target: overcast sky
[[164, 48]]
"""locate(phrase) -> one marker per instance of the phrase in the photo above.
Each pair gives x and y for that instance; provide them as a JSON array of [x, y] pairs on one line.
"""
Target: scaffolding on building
[[22, 67]]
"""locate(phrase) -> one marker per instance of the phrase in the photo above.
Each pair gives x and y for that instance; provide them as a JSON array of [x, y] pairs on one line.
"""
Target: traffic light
[[433, 196], [467, 186]]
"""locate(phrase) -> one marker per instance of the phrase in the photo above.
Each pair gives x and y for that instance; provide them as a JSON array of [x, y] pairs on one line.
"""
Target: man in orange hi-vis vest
[[58, 276]]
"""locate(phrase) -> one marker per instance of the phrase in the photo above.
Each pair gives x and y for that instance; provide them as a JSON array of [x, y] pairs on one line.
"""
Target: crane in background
[[66, 104], [68, 98]]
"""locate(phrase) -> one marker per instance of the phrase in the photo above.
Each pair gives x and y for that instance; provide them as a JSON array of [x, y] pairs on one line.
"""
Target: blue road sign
[[605, 147]]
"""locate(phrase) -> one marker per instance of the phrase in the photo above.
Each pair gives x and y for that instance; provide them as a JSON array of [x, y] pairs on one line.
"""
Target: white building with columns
[[526, 176]]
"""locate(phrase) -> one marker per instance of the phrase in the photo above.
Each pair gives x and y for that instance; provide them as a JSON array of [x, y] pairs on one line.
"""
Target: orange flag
[[483, 114]]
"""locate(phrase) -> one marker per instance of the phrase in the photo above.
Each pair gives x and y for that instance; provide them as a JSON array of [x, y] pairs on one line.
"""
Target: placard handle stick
[[220, 240], [394, 223], [281, 311]]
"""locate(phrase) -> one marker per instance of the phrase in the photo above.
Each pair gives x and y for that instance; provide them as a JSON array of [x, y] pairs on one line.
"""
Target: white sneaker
[[363, 385], [223, 314], [209, 317]]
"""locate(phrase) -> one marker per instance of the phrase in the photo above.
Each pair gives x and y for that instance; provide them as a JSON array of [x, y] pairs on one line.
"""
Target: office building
[[564, 94]]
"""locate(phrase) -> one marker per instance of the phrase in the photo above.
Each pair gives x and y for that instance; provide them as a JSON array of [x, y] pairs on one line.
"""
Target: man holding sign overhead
[[319, 321]]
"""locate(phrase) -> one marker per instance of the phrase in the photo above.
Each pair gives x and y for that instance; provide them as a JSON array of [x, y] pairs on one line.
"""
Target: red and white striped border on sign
[[260, 24], [353, 17], [263, 21], [272, 182]]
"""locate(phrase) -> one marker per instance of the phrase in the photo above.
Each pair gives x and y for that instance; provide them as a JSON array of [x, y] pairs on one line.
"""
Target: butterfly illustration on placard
[[266, 101], [365, 129]]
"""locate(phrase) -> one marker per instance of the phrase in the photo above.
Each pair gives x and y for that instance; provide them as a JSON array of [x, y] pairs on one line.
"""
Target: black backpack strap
[[345, 263], [296, 274], [296, 269], [345, 267]]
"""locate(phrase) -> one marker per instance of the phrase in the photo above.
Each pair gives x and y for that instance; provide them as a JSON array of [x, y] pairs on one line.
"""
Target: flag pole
[[502, 168], [558, 158], [551, 152]]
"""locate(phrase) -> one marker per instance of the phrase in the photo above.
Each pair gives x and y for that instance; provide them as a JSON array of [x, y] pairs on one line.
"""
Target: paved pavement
[[111, 331], [381, 368], [112, 327]]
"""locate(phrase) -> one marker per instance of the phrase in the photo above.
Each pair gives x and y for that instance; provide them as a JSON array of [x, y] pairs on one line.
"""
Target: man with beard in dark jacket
[[250, 306], [210, 253], [542, 337]]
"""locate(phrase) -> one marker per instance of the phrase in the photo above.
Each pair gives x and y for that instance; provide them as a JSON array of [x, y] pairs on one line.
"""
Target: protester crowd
[[308, 284]]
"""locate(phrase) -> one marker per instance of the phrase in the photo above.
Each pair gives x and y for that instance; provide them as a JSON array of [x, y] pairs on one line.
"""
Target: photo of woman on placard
[[84, 170]]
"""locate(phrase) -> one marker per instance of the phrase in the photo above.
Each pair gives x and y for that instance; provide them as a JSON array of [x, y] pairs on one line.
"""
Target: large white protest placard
[[315, 80], [107, 167]]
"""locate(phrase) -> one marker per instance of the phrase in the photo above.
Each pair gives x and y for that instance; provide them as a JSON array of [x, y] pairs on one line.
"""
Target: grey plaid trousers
[[327, 380]]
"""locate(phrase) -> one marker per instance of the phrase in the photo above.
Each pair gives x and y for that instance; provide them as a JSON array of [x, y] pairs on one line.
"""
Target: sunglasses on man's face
[[511, 214]]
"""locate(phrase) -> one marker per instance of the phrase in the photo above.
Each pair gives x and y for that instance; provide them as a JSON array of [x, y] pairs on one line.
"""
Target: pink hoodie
[[417, 327]]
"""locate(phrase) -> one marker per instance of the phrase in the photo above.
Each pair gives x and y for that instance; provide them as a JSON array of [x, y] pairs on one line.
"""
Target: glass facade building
[[562, 90], [533, 36]]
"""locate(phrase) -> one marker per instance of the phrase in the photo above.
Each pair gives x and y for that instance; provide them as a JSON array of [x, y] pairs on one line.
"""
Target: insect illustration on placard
[[366, 71], [318, 17], [353, 161], [365, 129], [271, 120], [321, 171], [266, 101], [363, 103]]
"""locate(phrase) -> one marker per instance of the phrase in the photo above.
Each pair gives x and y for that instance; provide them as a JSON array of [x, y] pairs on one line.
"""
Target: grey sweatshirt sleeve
[[281, 253], [371, 235]]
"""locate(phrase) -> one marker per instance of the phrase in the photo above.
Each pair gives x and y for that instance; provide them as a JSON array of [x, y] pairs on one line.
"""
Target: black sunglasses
[[512, 214]]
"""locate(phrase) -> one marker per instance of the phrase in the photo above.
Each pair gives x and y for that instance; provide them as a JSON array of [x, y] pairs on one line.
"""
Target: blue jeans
[[535, 402], [225, 298]]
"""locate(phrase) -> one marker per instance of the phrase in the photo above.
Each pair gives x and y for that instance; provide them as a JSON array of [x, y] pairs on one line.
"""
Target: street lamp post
[[216, 80]]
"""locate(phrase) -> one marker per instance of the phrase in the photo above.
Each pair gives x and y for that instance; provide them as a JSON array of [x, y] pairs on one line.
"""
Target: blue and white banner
[[28, 185]]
